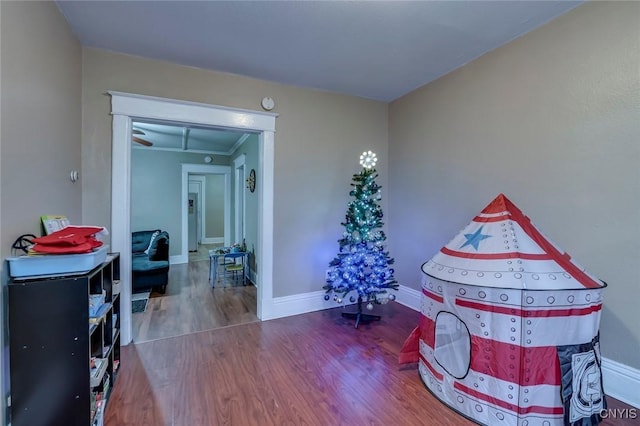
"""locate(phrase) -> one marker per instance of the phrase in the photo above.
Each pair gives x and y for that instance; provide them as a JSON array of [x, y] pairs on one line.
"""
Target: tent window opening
[[452, 345]]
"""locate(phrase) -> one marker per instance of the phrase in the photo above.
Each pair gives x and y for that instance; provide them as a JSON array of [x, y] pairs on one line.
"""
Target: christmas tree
[[361, 268]]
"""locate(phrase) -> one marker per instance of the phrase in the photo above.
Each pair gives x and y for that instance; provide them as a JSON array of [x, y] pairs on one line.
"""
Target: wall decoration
[[251, 180]]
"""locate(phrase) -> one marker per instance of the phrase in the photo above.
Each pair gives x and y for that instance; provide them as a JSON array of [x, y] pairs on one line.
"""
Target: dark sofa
[[150, 262]]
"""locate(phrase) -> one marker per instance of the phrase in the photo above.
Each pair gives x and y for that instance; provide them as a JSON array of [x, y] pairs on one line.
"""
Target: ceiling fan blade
[[141, 141], [137, 132]]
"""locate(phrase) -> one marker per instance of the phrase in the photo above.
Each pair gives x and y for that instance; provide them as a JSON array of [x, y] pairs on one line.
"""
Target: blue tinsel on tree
[[362, 265]]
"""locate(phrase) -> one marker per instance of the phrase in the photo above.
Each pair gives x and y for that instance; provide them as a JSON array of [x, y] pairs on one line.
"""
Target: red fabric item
[[69, 236], [70, 240], [508, 362], [410, 352], [86, 247]]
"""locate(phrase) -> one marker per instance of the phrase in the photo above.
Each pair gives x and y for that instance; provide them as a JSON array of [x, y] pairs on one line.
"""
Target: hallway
[[191, 305]]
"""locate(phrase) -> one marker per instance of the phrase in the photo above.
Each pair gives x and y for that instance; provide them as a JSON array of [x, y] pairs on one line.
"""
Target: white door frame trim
[[128, 106], [203, 169], [240, 194], [201, 182]]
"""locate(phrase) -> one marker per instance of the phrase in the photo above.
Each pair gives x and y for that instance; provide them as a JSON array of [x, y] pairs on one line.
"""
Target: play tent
[[508, 331]]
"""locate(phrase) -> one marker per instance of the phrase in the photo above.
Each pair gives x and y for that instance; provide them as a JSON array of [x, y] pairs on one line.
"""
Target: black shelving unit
[[54, 342]]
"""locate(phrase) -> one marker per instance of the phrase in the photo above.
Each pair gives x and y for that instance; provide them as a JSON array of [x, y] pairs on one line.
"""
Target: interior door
[[196, 186], [192, 220]]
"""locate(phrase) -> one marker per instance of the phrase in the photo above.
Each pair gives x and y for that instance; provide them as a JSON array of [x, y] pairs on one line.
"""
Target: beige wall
[[319, 137], [39, 128], [553, 121], [156, 180], [40, 107]]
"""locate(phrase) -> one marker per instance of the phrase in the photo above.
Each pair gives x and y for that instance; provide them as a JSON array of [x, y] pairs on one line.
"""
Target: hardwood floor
[[311, 369], [191, 305]]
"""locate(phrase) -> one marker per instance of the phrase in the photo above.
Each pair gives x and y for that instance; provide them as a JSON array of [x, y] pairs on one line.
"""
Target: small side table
[[214, 258]]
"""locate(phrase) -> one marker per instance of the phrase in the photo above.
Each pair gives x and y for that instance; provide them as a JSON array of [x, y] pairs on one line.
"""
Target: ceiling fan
[[139, 140]]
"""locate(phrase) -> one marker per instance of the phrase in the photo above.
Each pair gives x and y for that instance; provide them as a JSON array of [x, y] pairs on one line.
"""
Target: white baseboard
[[314, 301], [300, 304], [213, 240], [621, 382], [178, 259], [409, 297]]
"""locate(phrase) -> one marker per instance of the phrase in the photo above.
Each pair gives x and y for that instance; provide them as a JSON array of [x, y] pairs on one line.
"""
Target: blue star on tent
[[475, 238]]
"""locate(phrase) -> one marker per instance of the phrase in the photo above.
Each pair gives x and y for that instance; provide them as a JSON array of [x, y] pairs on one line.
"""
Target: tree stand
[[359, 316]]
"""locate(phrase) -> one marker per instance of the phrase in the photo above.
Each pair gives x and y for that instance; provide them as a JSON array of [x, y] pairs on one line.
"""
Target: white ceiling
[[378, 50], [373, 49]]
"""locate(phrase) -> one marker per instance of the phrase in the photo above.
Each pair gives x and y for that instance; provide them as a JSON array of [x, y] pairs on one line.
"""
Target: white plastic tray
[[55, 264]]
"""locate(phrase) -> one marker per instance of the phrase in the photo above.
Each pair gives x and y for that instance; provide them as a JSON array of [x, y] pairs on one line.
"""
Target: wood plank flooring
[[311, 369], [190, 305]]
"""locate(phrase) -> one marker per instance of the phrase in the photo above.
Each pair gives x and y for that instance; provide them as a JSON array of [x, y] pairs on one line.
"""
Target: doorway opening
[[240, 197], [126, 107], [196, 211], [191, 175], [206, 220]]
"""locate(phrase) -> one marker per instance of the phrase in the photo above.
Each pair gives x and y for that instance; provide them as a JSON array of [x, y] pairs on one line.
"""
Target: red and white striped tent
[[508, 331]]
